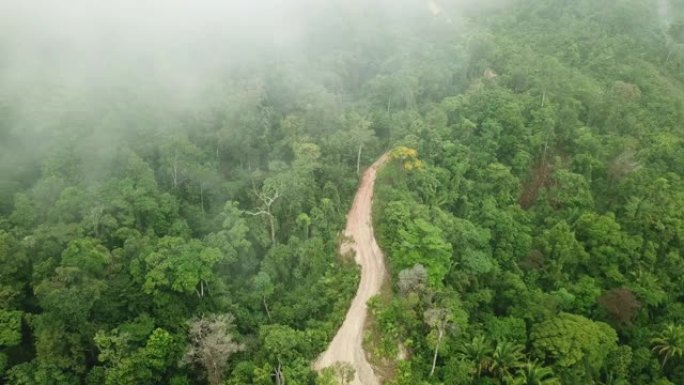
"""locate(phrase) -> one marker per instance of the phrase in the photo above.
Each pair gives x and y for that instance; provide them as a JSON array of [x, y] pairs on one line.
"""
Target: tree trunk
[[175, 172], [268, 313], [202, 197], [358, 159], [280, 379], [215, 377], [667, 59], [667, 355], [271, 221], [547, 135], [200, 292], [434, 357]]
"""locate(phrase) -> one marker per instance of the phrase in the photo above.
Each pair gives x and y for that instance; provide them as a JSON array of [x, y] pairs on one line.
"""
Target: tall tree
[[265, 288], [440, 322], [360, 135], [479, 351], [621, 305], [532, 373], [179, 265], [268, 195], [571, 339], [212, 344], [669, 343], [507, 357]]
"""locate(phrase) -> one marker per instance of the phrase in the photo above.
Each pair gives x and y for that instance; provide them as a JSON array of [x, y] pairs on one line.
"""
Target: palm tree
[[507, 356], [478, 350], [669, 343], [534, 374]]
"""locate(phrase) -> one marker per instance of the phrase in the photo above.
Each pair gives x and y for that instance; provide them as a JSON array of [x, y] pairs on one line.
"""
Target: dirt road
[[347, 344]]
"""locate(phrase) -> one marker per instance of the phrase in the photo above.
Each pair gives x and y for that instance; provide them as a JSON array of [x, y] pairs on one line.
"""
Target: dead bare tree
[[211, 345], [267, 201], [413, 280]]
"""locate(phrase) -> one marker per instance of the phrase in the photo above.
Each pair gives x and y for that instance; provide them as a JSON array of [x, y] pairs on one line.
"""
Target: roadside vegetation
[[182, 227]]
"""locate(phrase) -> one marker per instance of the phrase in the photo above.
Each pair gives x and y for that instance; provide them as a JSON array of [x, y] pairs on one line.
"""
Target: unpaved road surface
[[347, 344]]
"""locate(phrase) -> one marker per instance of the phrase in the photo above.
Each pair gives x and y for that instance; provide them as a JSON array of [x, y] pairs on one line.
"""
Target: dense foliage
[[153, 232], [547, 224]]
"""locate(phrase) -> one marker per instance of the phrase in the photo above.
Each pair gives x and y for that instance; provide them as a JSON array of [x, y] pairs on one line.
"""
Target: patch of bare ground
[[347, 345]]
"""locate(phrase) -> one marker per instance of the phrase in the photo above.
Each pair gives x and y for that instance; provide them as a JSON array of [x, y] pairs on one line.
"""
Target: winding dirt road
[[347, 344]]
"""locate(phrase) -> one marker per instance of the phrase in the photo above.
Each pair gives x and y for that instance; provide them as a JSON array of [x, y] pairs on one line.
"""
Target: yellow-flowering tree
[[408, 158]]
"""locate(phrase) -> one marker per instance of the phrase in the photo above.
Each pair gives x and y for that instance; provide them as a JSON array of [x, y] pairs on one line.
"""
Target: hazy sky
[[82, 35], [98, 30], [175, 47]]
